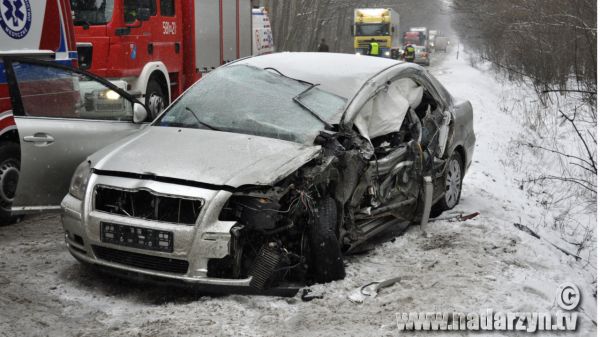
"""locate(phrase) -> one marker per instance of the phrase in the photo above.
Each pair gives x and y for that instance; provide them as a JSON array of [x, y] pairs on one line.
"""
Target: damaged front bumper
[[192, 246]]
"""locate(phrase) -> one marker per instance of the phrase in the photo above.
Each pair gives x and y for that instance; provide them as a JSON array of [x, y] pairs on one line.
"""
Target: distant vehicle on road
[[379, 25], [442, 43], [432, 34], [262, 193], [422, 56], [423, 39], [413, 38]]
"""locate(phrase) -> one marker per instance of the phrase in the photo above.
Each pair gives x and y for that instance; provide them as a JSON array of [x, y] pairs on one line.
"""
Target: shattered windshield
[[373, 29], [92, 12], [249, 100]]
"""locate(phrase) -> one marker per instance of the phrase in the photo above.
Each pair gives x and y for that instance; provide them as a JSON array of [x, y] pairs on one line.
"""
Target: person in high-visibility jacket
[[373, 48], [409, 53]]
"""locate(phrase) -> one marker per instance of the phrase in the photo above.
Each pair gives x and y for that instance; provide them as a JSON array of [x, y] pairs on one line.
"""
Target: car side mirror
[[143, 14], [140, 113]]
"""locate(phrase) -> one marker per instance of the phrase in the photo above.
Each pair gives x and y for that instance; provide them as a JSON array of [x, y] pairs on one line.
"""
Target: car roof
[[341, 74]]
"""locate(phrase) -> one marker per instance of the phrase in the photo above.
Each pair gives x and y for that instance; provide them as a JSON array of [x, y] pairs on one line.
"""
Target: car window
[[249, 100], [131, 7], [167, 7], [47, 91], [92, 12], [443, 93], [436, 99]]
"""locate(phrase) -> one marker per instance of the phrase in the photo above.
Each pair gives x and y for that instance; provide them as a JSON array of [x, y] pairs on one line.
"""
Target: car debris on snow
[[370, 290]]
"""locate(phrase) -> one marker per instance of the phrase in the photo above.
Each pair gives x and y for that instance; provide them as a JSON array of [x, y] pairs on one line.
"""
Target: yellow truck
[[381, 25]]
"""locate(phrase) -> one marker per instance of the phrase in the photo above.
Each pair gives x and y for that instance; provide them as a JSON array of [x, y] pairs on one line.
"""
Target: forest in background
[[299, 25], [549, 46]]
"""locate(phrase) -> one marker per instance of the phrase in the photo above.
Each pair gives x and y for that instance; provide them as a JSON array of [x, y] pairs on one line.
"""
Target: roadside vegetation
[[547, 48]]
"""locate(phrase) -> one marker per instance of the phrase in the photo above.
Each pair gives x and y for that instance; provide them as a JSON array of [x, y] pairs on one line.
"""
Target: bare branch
[[583, 141]]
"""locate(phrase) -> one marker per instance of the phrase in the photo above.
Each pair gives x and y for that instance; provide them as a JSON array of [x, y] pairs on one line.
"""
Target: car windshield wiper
[[286, 76], [298, 97], [298, 100], [201, 122]]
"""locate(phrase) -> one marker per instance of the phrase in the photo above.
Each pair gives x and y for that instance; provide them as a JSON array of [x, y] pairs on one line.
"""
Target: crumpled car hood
[[204, 156]]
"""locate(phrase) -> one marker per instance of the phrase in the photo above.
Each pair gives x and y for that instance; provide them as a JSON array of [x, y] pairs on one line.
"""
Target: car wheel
[[9, 177], [453, 177], [156, 99], [327, 263]]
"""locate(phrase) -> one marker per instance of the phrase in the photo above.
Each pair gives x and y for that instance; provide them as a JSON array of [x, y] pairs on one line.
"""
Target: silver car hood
[[204, 156]]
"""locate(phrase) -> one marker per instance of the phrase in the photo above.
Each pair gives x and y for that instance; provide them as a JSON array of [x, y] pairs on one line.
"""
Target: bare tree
[[549, 43], [298, 25]]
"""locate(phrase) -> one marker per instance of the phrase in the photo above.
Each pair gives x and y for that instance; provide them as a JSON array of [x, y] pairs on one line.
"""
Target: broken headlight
[[256, 213], [80, 180]]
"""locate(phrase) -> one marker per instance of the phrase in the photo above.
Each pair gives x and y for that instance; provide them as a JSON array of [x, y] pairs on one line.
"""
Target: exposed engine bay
[[355, 189]]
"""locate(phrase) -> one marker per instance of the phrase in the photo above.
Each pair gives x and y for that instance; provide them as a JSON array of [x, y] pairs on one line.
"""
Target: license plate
[[135, 237]]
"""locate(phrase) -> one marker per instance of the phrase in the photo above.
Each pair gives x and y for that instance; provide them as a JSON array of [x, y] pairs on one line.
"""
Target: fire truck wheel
[[156, 99], [9, 176]]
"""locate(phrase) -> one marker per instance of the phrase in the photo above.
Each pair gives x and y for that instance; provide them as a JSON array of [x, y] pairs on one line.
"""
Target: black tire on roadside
[[10, 163], [453, 176], [327, 263], [156, 98]]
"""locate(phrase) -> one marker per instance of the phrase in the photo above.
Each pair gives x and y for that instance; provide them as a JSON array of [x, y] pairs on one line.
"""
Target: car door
[[62, 116]]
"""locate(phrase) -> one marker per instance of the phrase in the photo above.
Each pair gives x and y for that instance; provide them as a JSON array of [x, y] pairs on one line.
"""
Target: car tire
[[156, 98], [10, 163], [453, 176], [327, 263]]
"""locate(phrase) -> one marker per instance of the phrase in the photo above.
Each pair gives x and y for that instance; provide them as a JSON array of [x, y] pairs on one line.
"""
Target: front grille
[[147, 205], [84, 54], [143, 261], [367, 43]]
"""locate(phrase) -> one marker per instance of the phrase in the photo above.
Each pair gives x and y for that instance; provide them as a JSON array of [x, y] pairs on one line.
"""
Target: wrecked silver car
[[269, 169]]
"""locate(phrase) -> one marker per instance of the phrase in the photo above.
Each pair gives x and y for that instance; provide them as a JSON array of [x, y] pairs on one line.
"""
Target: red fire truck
[[158, 48]]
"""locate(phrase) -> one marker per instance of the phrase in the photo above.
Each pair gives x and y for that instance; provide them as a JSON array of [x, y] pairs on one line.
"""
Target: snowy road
[[469, 266]]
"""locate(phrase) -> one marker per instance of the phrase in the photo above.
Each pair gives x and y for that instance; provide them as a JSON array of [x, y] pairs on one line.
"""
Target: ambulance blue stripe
[[63, 43], [2, 74]]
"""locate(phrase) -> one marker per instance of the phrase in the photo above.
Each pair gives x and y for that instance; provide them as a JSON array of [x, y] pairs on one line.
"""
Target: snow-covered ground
[[459, 266]]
